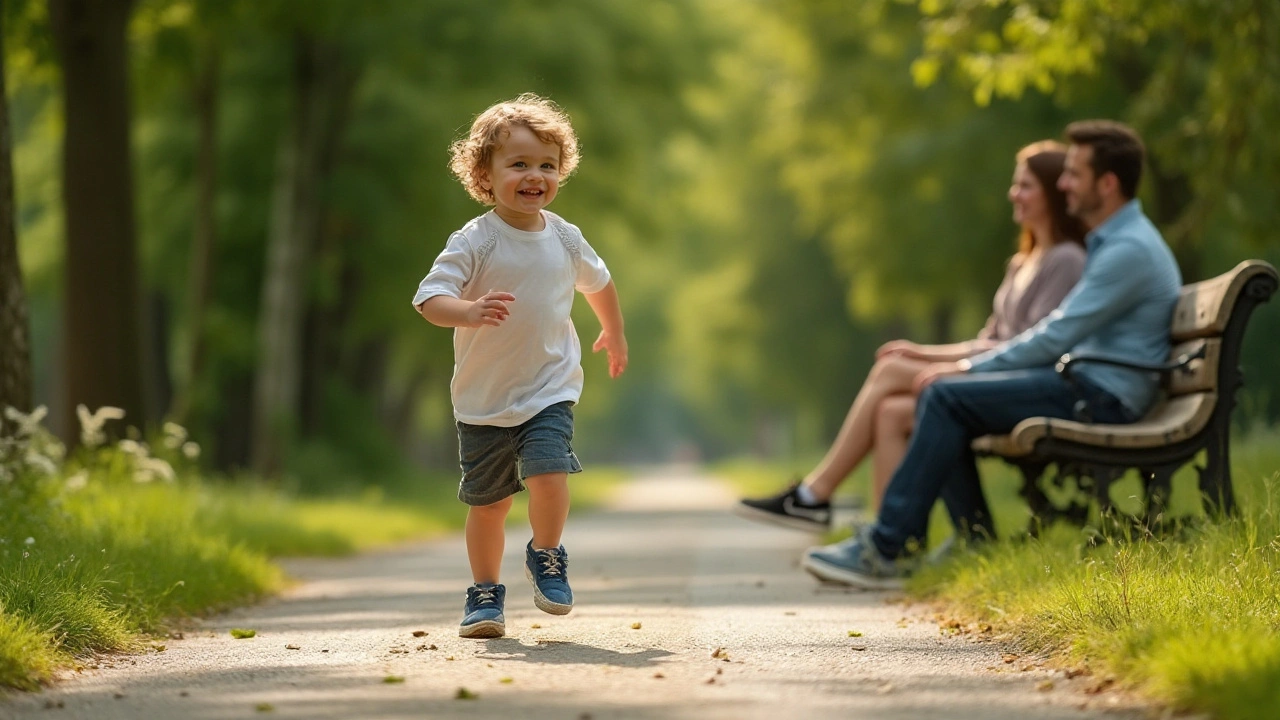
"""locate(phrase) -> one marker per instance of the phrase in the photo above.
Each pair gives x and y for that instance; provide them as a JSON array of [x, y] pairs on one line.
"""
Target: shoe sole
[[791, 523], [483, 629], [832, 573], [545, 605]]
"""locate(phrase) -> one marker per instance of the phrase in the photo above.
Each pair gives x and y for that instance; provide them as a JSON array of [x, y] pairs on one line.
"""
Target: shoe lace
[[484, 596], [552, 562]]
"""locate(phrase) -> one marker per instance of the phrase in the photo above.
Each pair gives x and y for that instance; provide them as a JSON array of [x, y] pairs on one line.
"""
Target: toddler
[[505, 282]]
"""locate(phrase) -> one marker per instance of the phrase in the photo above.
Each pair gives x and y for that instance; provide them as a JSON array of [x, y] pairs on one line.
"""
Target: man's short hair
[[1116, 149]]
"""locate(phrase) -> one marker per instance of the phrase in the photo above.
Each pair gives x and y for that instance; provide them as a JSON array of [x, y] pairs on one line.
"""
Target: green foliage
[[1189, 618]]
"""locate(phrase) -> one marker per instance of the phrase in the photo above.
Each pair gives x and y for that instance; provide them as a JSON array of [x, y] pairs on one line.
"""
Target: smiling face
[[524, 177], [1030, 207], [1080, 186]]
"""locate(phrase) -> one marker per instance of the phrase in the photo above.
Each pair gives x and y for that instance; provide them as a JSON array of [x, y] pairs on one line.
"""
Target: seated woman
[[1049, 261]]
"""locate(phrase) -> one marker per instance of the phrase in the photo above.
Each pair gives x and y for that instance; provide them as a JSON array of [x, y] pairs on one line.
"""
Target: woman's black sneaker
[[788, 510]]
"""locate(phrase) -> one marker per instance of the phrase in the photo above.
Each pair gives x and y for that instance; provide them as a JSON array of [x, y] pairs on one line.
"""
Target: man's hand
[[938, 370], [490, 309], [615, 345]]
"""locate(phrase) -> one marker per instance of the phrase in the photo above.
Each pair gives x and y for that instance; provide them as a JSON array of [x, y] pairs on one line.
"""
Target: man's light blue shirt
[[1122, 307]]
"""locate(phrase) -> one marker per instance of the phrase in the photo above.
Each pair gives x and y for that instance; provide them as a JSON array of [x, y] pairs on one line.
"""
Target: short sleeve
[[449, 273], [592, 275]]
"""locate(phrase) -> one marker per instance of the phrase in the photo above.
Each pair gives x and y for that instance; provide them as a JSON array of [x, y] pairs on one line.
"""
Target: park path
[[683, 611]]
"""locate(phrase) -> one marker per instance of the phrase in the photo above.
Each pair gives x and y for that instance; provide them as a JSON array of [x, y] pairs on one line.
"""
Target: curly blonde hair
[[471, 156]]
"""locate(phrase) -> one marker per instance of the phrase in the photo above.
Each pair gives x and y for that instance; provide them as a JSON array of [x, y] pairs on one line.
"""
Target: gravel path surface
[[683, 611]]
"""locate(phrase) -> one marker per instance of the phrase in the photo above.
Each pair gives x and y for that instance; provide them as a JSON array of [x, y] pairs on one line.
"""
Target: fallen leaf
[[1008, 658], [117, 695], [535, 626], [859, 648], [855, 633], [419, 633], [393, 679], [264, 707], [464, 694], [242, 633], [719, 653], [635, 626], [506, 680], [159, 648], [659, 675], [449, 658], [292, 647], [789, 612], [1044, 685]]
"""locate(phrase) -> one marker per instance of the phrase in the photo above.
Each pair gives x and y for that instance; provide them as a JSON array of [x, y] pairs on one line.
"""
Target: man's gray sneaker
[[547, 571], [482, 615], [788, 510], [856, 562]]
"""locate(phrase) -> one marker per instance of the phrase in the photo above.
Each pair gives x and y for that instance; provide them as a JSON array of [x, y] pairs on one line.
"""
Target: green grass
[[98, 568], [1191, 618]]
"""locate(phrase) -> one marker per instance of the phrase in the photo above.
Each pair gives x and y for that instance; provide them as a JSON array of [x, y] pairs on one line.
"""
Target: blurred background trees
[[223, 213]]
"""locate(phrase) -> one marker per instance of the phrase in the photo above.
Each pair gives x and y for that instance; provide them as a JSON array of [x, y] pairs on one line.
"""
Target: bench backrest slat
[[1204, 308]]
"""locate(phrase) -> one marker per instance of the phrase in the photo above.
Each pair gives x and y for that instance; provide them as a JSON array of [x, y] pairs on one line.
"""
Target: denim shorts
[[496, 460]]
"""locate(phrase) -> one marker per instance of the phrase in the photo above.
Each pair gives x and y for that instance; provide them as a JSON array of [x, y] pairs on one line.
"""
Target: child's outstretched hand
[[490, 309], [616, 347]]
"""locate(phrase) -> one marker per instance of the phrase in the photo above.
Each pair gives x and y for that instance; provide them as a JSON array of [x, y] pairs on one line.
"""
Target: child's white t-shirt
[[505, 375]]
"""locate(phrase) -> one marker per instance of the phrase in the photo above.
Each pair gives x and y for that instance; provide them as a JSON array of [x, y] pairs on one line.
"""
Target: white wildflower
[[91, 423], [174, 435], [132, 447], [77, 481], [149, 469], [29, 541], [40, 461], [27, 424], [191, 450]]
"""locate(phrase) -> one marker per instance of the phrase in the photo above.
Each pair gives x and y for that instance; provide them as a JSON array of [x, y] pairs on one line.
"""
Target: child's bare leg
[[890, 376], [486, 539], [548, 508], [894, 424]]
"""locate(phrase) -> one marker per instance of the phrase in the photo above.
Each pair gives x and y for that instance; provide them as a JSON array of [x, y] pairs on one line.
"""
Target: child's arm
[[446, 311], [612, 339]]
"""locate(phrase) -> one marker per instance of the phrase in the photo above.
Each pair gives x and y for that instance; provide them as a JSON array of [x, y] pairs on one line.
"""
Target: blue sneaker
[[856, 562], [546, 570], [482, 615]]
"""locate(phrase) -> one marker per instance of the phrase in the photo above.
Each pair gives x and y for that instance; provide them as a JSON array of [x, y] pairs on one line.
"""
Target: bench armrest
[[1066, 362]]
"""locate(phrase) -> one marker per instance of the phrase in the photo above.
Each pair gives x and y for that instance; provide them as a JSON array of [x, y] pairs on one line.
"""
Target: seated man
[[1122, 307]]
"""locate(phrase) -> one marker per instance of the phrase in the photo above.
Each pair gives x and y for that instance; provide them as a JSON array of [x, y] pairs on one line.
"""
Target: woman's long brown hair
[[1046, 159]]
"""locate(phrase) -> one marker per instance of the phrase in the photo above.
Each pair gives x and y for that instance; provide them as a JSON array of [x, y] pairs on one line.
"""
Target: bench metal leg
[[1215, 476]]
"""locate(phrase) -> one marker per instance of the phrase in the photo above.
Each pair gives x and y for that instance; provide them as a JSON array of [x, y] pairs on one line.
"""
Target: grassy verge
[[1191, 619], [92, 560]]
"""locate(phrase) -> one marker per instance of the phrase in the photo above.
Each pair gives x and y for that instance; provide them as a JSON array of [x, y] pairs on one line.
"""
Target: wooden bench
[[1199, 387]]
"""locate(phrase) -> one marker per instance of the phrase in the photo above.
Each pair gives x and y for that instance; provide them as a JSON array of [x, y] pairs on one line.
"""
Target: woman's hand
[[902, 348]]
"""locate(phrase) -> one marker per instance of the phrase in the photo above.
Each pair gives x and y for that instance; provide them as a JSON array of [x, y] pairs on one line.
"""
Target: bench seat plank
[[1171, 421]]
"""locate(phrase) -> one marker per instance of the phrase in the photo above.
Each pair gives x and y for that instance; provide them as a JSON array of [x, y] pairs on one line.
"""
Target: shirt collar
[[1127, 213]]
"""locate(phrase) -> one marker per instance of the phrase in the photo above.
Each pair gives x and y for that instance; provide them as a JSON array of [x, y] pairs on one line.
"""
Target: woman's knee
[[896, 414]]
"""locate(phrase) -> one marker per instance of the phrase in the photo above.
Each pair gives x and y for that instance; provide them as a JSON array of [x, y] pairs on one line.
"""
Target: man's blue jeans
[[939, 462]]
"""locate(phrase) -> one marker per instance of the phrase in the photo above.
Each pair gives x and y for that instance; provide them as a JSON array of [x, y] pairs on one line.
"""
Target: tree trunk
[[15, 344], [204, 238], [321, 89], [102, 326]]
